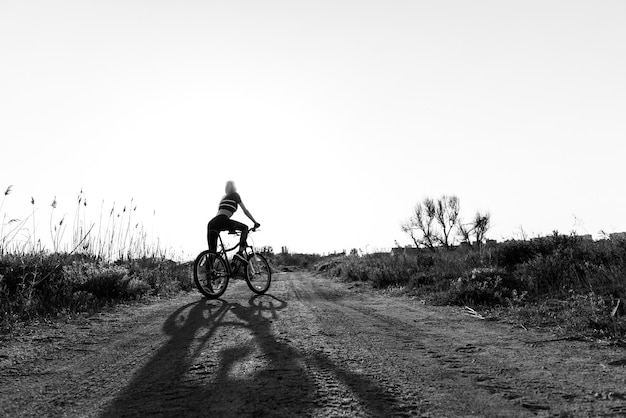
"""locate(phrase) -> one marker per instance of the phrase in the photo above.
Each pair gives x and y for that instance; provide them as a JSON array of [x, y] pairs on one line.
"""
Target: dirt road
[[312, 347]]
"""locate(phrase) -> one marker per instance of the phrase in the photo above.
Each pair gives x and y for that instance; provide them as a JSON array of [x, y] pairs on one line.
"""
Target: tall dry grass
[[82, 269], [116, 235]]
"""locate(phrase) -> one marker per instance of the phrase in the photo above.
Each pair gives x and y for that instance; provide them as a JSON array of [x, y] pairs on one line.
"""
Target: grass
[[87, 268], [559, 282], [38, 285], [116, 234]]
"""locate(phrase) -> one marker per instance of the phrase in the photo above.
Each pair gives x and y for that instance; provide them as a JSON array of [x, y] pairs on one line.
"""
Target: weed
[[84, 272], [556, 281], [34, 285]]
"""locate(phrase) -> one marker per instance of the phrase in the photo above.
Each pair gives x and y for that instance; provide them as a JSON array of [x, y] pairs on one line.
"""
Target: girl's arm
[[248, 214]]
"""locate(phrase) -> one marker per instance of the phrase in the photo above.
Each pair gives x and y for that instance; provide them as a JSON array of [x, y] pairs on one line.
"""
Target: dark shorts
[[222, 223]]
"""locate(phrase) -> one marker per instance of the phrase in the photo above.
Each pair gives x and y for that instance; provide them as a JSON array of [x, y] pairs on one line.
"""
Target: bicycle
[[212, 271]]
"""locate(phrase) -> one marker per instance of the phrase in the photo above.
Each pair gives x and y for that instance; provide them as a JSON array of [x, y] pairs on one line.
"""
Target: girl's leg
[[217, 224], [238, 226], [212, 239]]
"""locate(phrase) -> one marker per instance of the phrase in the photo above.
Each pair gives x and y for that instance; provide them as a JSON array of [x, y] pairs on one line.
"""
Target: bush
[[432, 270], [577, 313], [510, 254], [103, 282], [484, 286], [577, 268], [48, 284], [294, 261], [549, 274], [558, 280], [380, 271], [32, 284]]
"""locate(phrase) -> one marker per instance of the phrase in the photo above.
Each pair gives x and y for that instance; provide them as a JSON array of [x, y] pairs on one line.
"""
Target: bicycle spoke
[[258, 274], [210, 274]]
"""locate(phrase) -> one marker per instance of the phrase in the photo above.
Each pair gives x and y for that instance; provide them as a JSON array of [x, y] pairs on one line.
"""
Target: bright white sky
[[334, 118]]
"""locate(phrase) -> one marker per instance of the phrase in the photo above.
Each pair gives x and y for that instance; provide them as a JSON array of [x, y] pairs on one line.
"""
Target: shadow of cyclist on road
[[275, 382], [160, 387], [284, 379], [209, 367]]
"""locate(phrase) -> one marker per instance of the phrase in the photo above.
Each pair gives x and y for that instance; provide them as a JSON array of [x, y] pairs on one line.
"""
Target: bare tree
[[433, 222], [482, 223], [420, 225], [447, 215], [477, 228]]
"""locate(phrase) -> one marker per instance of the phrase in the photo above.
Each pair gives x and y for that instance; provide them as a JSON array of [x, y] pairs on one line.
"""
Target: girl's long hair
[[230, 187]]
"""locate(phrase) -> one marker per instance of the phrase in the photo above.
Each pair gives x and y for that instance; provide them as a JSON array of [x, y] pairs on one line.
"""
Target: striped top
[[229, 204]]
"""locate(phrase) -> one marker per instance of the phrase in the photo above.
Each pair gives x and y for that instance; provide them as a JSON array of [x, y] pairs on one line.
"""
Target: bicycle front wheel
[[258, 274], [210, 274]]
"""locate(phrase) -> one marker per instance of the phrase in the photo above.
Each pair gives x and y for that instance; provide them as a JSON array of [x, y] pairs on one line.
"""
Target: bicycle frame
[[223, 251], [212, 270]]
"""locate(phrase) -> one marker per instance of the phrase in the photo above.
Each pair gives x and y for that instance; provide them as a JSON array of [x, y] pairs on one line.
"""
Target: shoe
[[240, 258]]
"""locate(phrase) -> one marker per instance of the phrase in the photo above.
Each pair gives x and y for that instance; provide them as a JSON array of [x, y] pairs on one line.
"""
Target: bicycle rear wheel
[[210, 274], [258, 274]]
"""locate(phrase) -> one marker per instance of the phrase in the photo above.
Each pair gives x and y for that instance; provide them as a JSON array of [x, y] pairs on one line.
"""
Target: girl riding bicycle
[[222, 222]]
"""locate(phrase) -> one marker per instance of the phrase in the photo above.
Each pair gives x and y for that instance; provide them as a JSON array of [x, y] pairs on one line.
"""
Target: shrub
[[137, 288], [434, 270], [510, 254], [556, 280], [47, 284], [482, 286], [32, 284], [546, 274], [296, 260], [581, 268], [576, 313]]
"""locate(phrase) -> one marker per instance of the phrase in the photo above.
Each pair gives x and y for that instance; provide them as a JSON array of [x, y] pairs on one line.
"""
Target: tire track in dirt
[[483, 367], [397, 355]]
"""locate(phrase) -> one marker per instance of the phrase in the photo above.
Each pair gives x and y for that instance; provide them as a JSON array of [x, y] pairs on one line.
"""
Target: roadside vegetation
[[563, 282], [77, 266], [560, 281]]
